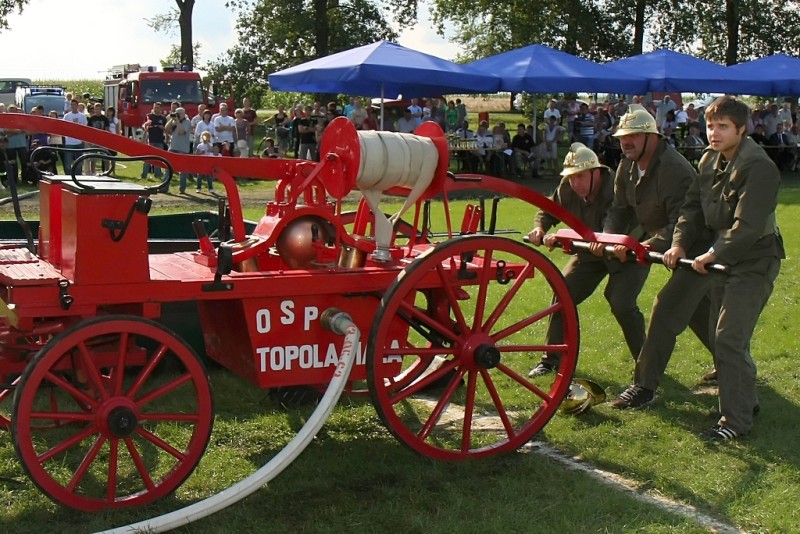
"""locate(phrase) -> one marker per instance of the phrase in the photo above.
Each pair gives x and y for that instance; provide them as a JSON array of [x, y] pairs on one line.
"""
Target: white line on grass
[[631, 487]]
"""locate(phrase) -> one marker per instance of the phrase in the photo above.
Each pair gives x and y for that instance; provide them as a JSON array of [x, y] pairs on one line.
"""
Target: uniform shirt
[[737, 200], [592, 213], [652, 202]]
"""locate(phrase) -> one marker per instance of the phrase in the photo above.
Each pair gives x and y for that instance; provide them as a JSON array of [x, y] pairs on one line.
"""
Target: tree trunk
[[732, 17], [638, 27], [321, 28], [185, 8]]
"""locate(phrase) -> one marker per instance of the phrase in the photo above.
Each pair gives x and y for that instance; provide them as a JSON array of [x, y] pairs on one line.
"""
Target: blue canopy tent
[[668, 71], [782, 70], [383, 69], [540, 69]]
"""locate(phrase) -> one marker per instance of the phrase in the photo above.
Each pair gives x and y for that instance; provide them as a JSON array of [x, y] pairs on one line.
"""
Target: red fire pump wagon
[[108, 408]]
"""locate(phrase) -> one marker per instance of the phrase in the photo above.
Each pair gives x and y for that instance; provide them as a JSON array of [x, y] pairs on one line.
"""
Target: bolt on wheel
[[477, 310], [132, 417]]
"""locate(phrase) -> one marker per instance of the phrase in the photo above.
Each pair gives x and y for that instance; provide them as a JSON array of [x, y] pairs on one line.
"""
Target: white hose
[[340, 323]]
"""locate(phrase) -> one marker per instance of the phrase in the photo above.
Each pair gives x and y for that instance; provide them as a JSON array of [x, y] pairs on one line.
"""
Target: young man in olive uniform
[[587, 191], [735, 197]]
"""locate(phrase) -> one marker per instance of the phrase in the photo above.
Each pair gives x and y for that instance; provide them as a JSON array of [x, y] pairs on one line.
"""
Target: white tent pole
[[380, 127]]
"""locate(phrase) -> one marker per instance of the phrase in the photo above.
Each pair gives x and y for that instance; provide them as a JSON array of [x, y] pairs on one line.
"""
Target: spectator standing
[[99, 121], [551, 111], [205, 148], [358, 115], [74, 116], [522, 145], [178, 128], [224, 127], [553, 132], [154, 136], [251, 118], [197, 119], [584, 126], [306, 131], [242, 126], [461, 108]]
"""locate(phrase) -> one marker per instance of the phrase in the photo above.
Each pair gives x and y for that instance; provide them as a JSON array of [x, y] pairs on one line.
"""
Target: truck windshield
[[184, 91]]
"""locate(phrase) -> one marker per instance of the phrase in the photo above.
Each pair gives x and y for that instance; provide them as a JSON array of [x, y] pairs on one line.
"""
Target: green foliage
[[174, 56], [608, 29], [273, 35], [7, 7], [76, 87]]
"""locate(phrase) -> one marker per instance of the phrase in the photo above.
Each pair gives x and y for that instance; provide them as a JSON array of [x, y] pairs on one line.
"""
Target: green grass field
[[356, 477]]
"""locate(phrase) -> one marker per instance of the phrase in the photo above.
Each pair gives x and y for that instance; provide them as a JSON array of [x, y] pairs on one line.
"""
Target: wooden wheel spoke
[[527, 321], [183, 417], [452, 300], [80, 396], [498, 403], [113, 462], [90, 456], [164, 389], [92, 372], [160, 443], [444, 400], [524, 382], [144, 474], [66, 444], [72, 417], [422, 383], [469, 409], [417, 318], [145, 373], [119, 370], [483, 288], [506, 300]]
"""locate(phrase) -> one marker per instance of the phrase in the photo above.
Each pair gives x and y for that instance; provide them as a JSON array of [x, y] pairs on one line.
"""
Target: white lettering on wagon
[[287, 315], [311, 356]]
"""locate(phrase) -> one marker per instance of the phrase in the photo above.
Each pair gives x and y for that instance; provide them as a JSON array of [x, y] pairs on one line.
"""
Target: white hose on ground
[[338, 322]]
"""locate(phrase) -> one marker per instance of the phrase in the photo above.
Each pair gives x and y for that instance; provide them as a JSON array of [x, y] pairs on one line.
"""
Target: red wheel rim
[[133, 417], [479, 307]]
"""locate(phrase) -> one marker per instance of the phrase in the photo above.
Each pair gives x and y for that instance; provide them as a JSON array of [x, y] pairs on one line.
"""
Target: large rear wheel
[[478, 309]]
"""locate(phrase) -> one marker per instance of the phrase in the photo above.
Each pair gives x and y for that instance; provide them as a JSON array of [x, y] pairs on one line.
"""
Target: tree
[[182, 17], [7, 7], [277, 34], [174, 56], [486, 27]]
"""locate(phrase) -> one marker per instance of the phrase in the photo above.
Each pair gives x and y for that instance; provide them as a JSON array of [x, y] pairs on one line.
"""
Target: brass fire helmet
[[636, 120], [582, 395], [580, 158]]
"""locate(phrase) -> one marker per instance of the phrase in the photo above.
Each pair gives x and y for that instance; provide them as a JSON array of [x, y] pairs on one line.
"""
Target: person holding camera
[[178, 128]]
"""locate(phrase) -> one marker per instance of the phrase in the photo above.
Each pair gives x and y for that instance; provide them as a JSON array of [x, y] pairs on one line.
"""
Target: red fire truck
[[133, 89]]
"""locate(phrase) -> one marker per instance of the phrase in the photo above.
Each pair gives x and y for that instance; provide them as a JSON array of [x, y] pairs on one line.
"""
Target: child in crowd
[[205, 148]]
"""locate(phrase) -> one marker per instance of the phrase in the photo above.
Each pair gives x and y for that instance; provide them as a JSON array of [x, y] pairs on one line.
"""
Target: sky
[[82, 39]]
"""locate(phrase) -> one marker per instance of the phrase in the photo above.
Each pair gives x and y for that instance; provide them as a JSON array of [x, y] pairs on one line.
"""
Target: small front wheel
[[132, 414]]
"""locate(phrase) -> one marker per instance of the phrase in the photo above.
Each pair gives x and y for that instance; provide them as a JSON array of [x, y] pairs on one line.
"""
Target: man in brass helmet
[[649, 189], [586, 191]]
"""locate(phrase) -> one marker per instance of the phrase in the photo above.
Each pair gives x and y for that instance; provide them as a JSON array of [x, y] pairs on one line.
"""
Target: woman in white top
[[113, 121], [205, 125]]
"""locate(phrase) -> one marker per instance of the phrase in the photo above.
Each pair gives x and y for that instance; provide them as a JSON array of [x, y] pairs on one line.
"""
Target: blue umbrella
[[669, 71], [782, 70], [383, 69], [541, 69]]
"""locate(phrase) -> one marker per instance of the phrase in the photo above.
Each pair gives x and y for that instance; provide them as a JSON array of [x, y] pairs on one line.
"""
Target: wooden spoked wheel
[[133, 415], [478, 308]]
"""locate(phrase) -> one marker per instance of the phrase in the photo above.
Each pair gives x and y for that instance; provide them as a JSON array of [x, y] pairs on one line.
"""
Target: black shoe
[[720, 433], [541, 369], [634, 397], [709, 378]]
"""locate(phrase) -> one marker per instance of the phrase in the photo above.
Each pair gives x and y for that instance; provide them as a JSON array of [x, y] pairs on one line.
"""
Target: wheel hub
[[487, 356], [122, 422]]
